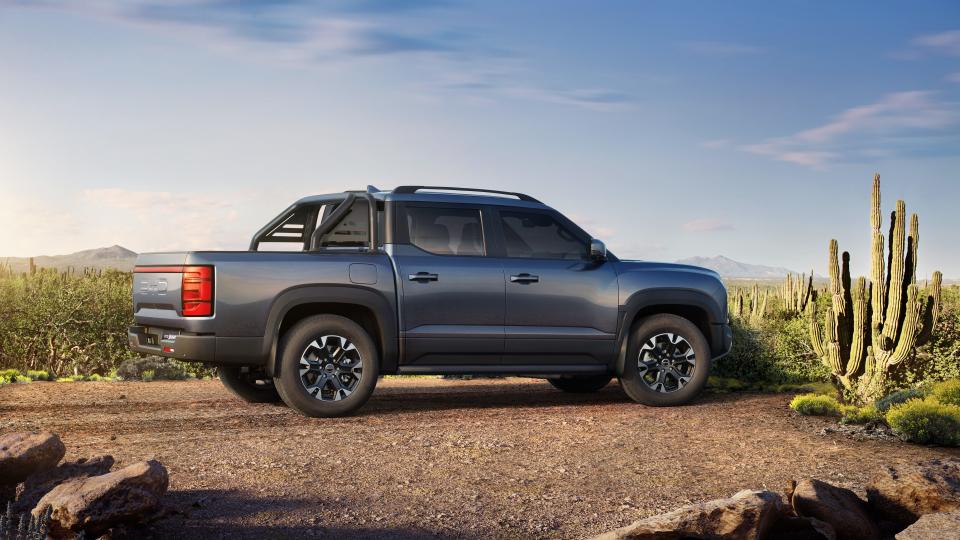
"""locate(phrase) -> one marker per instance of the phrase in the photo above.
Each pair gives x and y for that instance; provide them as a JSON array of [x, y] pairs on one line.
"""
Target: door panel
[[561, 308], [453, 300]]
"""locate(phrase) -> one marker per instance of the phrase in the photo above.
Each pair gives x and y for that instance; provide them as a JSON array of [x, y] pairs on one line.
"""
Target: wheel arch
[[693, 305], [371, 310]]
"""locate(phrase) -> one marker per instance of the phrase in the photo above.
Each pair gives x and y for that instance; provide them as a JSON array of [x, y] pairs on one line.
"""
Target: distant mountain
[[730, 268], [117, 257]]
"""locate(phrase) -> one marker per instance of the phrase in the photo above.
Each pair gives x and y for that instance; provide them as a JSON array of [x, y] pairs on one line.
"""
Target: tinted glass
[[446, 231], [352, 231], [540, 236]]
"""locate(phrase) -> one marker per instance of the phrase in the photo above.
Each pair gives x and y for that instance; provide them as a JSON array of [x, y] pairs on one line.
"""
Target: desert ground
[[506, 458]]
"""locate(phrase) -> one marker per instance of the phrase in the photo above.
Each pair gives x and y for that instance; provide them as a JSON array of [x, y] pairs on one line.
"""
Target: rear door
[[561, 307], [452, 292]]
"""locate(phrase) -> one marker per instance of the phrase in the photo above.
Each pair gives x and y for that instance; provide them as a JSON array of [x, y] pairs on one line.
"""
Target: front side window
[[353, 229], [446, 231], [538, 235]]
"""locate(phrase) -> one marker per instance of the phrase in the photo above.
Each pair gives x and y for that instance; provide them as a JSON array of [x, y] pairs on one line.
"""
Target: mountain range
[[730, 268], [117, 257]]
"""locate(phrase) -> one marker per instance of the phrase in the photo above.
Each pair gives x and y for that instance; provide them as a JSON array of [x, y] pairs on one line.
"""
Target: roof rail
[[414, 189]]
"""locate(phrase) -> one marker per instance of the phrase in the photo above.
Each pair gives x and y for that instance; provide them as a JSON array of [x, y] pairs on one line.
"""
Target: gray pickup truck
[[340, 289]]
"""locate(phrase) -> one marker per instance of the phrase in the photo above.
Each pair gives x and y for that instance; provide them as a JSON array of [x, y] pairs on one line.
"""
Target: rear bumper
[[209, 349]]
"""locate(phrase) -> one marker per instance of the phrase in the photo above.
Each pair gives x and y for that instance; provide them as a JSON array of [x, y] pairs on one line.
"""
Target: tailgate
[[157, 286]]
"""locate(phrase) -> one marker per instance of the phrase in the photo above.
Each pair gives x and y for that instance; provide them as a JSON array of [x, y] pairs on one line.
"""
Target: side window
[[446, 231], [352, 231], [538, 235]]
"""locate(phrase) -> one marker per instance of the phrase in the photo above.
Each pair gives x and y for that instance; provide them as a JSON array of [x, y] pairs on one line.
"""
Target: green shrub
[[947, 392], [926, 421], [851, 414], [147, 375], [11, 375], [39, 375], [815, 405], [774, 350], [900, 396]]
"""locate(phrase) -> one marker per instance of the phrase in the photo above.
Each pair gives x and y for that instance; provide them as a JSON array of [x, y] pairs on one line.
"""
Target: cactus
[[876, 324], [24, 526], [758, 304], [796, 292]]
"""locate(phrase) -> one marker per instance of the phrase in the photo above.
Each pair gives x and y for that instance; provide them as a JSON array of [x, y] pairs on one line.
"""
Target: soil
[[505, 458]]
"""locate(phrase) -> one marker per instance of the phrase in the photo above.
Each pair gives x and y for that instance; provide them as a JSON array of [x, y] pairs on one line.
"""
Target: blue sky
[[668, 129]]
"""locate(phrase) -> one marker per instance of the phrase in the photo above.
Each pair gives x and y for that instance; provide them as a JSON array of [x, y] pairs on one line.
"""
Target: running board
[[539, 370]]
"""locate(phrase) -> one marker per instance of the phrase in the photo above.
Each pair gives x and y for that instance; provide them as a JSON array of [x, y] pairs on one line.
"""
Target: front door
[[453, 294], [561, 307]]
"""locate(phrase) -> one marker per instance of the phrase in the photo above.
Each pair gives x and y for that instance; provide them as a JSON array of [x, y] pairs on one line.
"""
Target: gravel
[[502, 458]]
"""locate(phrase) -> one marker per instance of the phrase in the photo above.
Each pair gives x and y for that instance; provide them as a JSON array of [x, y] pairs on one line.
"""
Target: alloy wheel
[[331, 368], [666, 362]]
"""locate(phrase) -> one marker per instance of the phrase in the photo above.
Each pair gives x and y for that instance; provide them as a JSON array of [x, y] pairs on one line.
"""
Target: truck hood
[[629, 266]]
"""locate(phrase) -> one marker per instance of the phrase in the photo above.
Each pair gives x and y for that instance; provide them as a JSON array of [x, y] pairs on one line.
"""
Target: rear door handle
[[423, 276], [524, 278]]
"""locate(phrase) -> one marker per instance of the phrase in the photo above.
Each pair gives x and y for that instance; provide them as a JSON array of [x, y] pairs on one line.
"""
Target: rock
[[940, 526], [39, 484], [839, 507], [904, 493], [802, 528], [22, 454], [746, 515], [98, 503]]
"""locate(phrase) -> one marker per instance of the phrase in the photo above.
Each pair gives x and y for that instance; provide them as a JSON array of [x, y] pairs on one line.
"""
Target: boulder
[[904, 493], [98, 503], [39, 484], [839, 507], [940, 526], [22, 454], [746, 515]]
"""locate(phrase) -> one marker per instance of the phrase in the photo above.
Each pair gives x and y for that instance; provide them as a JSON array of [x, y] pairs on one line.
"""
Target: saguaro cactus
[[796, 292], [877, 323]]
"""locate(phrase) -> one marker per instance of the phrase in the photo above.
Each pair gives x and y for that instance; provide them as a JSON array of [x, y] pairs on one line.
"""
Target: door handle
[[524, 278], [423, 276]]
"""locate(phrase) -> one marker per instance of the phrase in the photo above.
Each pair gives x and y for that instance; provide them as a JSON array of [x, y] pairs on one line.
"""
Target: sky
[[668, 129]]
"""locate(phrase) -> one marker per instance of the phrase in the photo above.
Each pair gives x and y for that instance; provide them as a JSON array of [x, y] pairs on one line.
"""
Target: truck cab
[[339, 289]]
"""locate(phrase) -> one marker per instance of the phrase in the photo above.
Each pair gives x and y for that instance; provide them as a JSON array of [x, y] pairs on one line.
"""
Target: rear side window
[[446, 231], [352, 231], [538, 235]]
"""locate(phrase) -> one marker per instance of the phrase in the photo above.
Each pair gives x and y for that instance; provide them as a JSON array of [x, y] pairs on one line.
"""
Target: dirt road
[[425, 457]]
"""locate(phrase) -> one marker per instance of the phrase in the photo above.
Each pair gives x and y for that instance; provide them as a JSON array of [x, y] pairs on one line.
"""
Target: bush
[[947, 392], [900, 396], [39, 375], [851, 414], [926, 421], [164, 369], [815, 405], [776, 350]]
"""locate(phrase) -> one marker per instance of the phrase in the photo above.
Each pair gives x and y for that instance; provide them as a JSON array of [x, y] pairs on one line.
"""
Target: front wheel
[[328, 367], [580, 384], [252, 385], [667, 363]]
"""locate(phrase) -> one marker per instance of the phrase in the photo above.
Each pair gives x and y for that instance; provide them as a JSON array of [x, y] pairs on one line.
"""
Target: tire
[[249, 384], [335, 358], [665, 344], [581, 384]]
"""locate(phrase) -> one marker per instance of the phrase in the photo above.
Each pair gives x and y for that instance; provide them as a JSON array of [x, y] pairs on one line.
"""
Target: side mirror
[[598, 251]]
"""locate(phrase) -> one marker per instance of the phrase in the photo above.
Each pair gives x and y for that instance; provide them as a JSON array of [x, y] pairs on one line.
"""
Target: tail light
[[196, 287]]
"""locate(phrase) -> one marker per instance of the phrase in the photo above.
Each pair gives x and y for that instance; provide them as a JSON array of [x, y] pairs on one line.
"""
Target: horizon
[[751, 130]]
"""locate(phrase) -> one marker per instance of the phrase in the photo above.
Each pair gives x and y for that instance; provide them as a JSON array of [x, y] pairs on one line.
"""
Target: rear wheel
[[667, 363], [580, 384], [328, 367], [252, 385]]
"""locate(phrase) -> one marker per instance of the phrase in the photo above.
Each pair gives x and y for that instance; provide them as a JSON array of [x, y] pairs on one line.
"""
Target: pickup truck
[[340, 289]]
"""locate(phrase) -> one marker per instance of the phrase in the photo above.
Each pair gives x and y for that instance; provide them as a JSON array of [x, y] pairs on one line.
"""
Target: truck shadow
[[207, 514]]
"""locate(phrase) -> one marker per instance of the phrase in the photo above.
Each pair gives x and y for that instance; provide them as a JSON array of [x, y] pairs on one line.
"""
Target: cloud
[[707, 225], [720, 48], [886, 125], [307, 33], [947, 43], [954, 77]]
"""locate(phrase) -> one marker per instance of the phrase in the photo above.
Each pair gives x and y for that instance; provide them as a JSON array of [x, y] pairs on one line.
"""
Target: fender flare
[[383, 309], [662, 296]]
